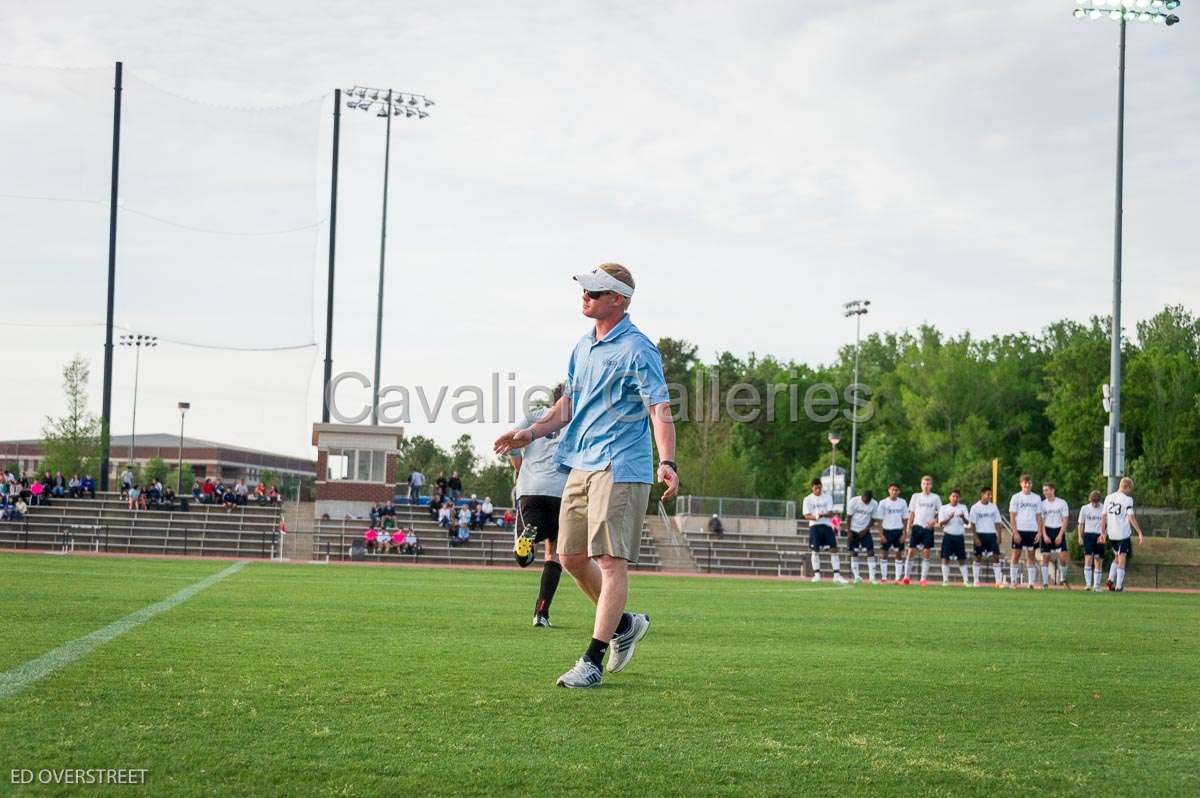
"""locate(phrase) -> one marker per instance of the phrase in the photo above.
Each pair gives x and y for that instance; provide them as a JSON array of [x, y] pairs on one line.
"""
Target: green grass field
[[365, 681]]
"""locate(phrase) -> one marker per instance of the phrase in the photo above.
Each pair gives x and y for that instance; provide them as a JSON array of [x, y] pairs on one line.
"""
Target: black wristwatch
[[670, 463]]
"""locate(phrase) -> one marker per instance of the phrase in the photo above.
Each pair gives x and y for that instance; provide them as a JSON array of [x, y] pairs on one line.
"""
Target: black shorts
[[1122, 546], [892, 539], [954, 547], [921, 537], [541, 512], [988, 543], [1092, 545], [861, 541], [822, 538], [1025, 540], [1052, 533]]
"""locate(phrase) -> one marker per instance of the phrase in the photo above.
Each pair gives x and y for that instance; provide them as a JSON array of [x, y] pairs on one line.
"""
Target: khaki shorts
[[599, 516]]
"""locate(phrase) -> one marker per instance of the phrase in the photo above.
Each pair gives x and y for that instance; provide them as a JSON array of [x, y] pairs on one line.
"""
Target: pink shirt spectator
[[371, 535]]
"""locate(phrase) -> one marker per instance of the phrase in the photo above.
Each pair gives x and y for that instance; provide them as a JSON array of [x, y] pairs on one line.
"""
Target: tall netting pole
[[337, 120], [106, 412]]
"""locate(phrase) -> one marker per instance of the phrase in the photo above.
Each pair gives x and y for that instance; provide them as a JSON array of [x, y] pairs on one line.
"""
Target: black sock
[[551, 572], [623, 624], [595, 652]]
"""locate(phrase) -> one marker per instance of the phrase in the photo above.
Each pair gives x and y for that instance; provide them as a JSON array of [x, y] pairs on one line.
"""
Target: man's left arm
[[664, 440]]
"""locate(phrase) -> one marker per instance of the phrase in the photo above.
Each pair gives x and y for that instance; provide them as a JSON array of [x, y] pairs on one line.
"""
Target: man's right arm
[[553, 421]]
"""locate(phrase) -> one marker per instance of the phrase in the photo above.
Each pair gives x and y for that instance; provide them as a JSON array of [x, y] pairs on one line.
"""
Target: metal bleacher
[[106, 524], [333, 539]]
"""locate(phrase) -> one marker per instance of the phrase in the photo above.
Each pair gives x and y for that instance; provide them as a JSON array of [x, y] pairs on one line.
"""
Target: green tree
[[156, 469], [71, 442]]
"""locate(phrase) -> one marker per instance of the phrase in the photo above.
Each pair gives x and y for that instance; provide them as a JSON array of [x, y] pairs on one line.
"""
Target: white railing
[[727, 506]]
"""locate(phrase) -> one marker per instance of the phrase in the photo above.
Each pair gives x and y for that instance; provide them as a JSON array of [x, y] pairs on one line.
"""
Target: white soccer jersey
[[985, 518], [953, 518], [892, 513], [1027, 506], [1118, 507], [818, 506], [1089, 518], [1055, 513], [861, 513], [924, 508]]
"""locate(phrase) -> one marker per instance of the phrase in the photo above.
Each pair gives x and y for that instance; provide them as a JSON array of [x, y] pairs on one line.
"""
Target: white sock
[[998, 572], [899, 565], [1087, 575], [945, 572], [1112, 571], [907, 566], [924, 570], [963, 570], [977, 569], [1120, 578], [1062, 572], [836, 561], [871, 568], [854, 567], [816, 563], [1099, 576], [1045, 575], [1032, 573], [1013, 573]]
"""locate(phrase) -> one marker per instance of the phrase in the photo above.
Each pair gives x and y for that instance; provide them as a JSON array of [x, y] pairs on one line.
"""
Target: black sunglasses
[[597, 294]]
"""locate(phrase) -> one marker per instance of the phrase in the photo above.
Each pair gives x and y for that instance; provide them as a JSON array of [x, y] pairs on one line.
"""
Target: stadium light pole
[[1153, 12], [137, 341], [834, 440], [183, 408], [333, 196], [856, 308], [386, 103]]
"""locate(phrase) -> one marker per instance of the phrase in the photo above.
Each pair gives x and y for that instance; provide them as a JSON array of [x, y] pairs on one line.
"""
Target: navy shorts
[[1025, 540], [954, 547], [861, 541], [1122, 546], [822, 538], [989, 543], [892, 539], [1052, 533], [1092, 545], [921, 537]]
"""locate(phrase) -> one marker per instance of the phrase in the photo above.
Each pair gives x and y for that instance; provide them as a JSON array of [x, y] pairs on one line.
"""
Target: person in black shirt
[[455, 486]]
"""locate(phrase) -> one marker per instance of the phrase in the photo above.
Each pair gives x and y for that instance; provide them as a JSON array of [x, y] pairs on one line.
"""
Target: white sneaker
[[620, 651], [858, 580], [584, 674], [874, 581], [945, 583], [816, 578], [838, 579]]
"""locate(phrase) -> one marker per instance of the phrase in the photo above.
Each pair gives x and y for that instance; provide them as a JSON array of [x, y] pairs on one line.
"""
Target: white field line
[[22, 676]]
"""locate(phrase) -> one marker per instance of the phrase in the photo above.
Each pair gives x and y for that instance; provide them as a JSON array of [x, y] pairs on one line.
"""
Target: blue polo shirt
[[612, 382]]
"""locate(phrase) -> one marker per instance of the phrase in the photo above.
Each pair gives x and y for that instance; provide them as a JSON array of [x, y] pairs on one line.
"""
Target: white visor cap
[[600, 280]]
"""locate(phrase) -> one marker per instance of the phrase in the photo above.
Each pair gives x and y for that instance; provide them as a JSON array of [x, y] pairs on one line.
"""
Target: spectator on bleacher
[[273, 495], [412, 544], [58, 487], [455, 485], [464, 524], [388, 510], [473, 508], [371, 536], [240, 492], [133, 495], [416, 480], [485, 512], [398, 538], [19, 509], [434, 507], [73, 486], [168, 496], [36, 491], [373, 514], [88, 486], [207, 491], [508, 519], [444, 516], [260, 493], [385, 541], [126, 480], [715, 526], [229, 498], [441, 484]]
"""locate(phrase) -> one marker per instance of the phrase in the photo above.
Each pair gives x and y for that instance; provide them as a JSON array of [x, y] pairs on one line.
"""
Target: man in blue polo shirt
[[615, 394]]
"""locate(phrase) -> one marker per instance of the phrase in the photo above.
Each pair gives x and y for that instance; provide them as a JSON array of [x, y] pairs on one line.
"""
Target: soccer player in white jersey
[[1056, 523], [1118, 516], [923, 510], [985, 521], [863, 512], [1091, 537], [818, 509], [1025, 515], [952, 518], [893, 511]]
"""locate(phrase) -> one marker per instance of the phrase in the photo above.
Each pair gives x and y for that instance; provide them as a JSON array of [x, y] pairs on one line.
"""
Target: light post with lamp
[[137, 341], [183, 408], [856, 308]]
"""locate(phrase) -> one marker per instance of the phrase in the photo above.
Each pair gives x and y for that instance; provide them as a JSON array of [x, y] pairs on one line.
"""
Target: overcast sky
[[754, 164]]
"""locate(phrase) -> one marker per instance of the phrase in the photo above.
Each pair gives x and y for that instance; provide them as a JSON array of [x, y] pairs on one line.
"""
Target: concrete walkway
[[673, 552]]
